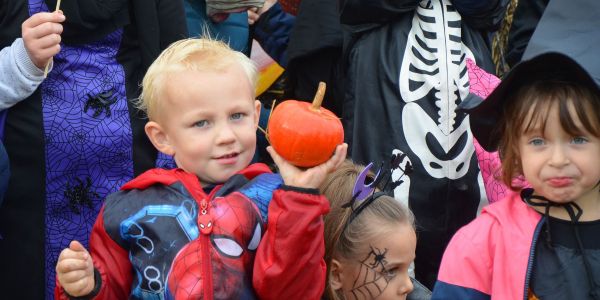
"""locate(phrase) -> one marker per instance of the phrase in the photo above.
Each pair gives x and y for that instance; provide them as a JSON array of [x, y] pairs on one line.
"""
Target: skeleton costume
[[407, 74], [77, 138]]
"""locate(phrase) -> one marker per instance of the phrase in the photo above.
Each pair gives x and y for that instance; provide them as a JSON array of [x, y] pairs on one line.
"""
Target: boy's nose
[[225, 135]]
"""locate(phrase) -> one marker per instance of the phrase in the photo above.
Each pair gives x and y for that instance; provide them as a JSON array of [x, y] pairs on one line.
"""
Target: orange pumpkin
[[305, 134]]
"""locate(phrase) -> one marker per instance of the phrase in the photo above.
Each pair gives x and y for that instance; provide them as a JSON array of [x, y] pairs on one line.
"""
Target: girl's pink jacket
[[491, 257]]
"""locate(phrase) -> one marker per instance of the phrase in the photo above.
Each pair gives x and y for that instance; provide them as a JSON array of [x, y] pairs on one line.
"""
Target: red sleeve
[[289, 261], [111, 261]]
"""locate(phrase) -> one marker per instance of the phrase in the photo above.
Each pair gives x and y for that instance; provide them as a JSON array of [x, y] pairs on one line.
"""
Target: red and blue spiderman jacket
[[162, 237]]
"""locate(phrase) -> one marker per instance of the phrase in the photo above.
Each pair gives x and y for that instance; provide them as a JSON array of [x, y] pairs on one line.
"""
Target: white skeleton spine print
[[434, 67]]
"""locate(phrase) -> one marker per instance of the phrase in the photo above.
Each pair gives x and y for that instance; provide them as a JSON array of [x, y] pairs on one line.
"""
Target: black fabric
[[90, 20], [315, 54], [26, 218], [23, 211], [151, 31], [305, 72], [558, 270], [299, 189], [233, 184], [481, 15], [525, 20], [4, 172], [317, 27]]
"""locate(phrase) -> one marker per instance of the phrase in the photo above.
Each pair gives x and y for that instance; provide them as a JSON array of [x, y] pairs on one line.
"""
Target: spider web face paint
[[373, 276]]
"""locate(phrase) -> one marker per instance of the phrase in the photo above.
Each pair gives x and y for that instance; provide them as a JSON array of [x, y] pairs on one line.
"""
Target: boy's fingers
[[276, 158], [70, 265], [340, 154], [73, 276], [70, 254], [338, 157], [80, 287], [77, 246]]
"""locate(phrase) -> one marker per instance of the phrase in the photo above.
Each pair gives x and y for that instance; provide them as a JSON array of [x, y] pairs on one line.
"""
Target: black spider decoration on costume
[[101, 102], [80, 194], [395, 164]]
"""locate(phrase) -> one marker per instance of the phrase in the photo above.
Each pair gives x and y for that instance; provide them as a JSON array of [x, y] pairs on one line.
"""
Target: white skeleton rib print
[[434, 65]]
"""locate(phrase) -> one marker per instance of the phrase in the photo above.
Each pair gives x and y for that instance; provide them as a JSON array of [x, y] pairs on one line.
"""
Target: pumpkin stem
[[318, 100]]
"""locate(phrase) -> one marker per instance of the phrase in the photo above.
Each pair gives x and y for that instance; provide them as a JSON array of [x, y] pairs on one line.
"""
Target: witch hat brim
[[485, 117]]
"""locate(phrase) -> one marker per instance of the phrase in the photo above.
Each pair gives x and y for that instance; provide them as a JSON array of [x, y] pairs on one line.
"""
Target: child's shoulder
[[145, 189], [510, 209], [153, 177], [506, 216], [260, 191]]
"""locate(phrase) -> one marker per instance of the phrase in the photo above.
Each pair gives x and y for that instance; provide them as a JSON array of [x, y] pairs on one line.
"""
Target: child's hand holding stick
[[50, 60]]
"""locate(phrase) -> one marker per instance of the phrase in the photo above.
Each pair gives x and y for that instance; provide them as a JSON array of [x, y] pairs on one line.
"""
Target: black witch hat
[[564, 48]]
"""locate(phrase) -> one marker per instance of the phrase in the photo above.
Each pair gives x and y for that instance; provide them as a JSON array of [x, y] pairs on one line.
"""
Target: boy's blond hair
[[194, 54]]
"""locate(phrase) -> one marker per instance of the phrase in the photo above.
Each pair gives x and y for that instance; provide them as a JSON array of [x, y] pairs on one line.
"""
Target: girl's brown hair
[[530, 107], [348, 241]]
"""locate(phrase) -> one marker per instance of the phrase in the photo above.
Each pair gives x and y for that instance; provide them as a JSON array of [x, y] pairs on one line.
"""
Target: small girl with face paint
[[369, 242], [544, 119]]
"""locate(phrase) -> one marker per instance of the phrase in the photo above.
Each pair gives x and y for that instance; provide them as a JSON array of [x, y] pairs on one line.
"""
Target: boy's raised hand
[[311, 177], [75, 270], [41, 36]]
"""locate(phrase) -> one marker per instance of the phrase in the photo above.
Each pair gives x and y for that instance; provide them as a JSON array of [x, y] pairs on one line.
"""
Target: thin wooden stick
[[268, 119], [50, 60]]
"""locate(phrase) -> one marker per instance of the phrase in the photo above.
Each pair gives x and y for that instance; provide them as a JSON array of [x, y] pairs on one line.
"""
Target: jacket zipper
[[536, 235], [204, 248]]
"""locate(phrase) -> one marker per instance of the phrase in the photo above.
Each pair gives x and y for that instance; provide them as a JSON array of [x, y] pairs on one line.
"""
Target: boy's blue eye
[[579, 140], [237, 116], [201, 123]]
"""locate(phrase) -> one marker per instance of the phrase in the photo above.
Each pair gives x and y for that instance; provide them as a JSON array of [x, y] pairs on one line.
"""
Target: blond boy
[[216, 227]]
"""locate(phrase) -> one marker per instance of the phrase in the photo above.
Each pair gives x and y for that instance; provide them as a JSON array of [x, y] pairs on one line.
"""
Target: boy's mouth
[[227, 159], [230, 155]]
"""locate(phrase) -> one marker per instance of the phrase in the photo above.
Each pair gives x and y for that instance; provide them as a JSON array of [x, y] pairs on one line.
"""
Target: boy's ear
[[336, 274], [159, 138], [257, 110]]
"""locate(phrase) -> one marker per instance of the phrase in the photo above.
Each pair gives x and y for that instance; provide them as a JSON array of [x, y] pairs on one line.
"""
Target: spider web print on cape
[[88, 139]]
